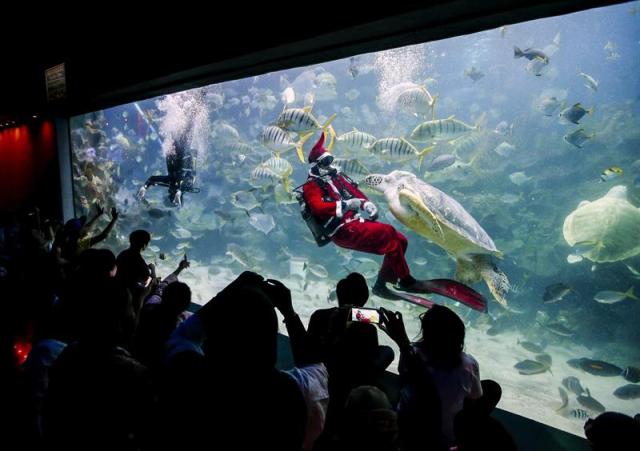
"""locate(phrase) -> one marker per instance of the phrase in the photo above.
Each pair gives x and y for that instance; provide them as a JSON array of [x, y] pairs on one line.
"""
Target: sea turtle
[[441, 219], [605, 230]]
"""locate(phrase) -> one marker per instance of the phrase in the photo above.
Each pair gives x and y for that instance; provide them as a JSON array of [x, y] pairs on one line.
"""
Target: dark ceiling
[[114, 54]]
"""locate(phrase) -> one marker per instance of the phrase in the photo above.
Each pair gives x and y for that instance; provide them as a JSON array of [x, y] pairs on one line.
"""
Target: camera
[[365, 315]]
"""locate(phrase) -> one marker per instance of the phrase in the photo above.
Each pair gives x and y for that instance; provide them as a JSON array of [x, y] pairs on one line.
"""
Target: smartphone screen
[[365, 315]]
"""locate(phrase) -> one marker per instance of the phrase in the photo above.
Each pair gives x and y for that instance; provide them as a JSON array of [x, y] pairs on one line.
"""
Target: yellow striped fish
[[611, 173], [356, 140], [398, 150], [441, 129], [279, 140]]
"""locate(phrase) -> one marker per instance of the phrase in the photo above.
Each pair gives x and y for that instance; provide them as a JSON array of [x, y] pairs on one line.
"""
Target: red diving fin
[[392, 295], [449, 288]]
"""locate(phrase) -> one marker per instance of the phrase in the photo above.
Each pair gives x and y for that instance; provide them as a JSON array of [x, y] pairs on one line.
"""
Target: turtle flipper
[[417, 205]]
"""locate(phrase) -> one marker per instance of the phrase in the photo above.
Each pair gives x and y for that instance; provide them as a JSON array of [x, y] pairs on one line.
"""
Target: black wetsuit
[[181, 171]]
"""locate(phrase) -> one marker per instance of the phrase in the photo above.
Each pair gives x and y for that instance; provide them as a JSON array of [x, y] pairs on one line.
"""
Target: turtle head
[[375, 181]]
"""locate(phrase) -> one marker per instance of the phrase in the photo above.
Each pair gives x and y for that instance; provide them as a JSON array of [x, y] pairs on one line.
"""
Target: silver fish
[[398, 150], [449, 128], [629, 391], [578, 138], [530, 54], [549, 105], [574, 113], [356, 140], [591, 82]]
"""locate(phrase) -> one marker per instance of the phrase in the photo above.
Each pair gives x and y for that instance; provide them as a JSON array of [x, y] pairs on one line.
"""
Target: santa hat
[[318, 150]]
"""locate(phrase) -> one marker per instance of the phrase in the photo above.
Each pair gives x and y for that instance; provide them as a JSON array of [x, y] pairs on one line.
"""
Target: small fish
[[559, 329], [418, 101], [633, 270], [565, 399], [474, 74], [574, 113], [629, 391], [503, 31], [590, 403], [505, 149], [572, 384], [158, 213], [529, 367], [597, 367], [611, 297], [632, 374], [591, 83], [578, 137], [162, 256], [441, 162], [579, 414], [318, 270], [549, 105], [531, 347], [263, 222], [530, 54], [611, 173], [556, 292], [537, 67], [503, 128], [288, 96], [519, 178]]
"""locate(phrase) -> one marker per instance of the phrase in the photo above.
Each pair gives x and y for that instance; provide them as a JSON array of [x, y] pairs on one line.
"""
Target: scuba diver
[[334, 205], [181, 175]]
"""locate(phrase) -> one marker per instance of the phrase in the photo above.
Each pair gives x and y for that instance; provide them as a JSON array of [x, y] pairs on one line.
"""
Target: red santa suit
[[348, 229]]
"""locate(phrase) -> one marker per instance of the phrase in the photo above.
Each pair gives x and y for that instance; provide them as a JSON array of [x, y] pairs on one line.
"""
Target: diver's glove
[[371, 210], [351, 204], [141, 192], [177, 199]]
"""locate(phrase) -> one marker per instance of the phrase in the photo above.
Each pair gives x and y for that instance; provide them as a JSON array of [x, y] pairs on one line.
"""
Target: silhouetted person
[[455, 373], [369, 422], [160, 315], [99, 396], [225, 356], [133, 271], [326, 326], [613, 431], [92, 270], [74, 237]]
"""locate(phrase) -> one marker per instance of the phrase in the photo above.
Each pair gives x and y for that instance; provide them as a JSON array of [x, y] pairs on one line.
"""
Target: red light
[[22, 351]]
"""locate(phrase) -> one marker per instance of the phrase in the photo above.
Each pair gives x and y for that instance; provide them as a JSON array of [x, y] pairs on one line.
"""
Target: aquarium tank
[[516, 149]]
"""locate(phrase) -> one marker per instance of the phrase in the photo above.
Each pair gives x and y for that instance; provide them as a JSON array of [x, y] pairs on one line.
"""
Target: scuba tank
[[317, 230]]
